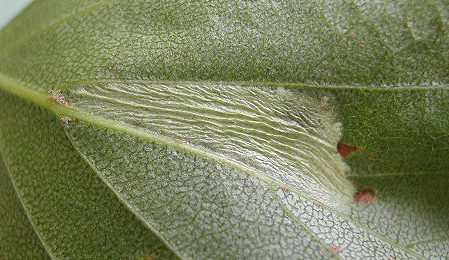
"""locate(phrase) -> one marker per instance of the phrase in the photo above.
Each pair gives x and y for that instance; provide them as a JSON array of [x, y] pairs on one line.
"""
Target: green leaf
[[18, 239], [209, 130]]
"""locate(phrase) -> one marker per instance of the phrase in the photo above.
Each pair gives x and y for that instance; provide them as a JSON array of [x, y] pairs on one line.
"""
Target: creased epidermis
[[282, 133]]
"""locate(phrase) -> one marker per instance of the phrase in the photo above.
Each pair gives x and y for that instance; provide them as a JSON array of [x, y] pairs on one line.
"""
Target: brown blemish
[[57, 97], [111, 66], [149, 256], [326, 104], [286, 190], [69, 104], [364, 196], [345, 149], [319, 205], [335, 249], [65, 120]]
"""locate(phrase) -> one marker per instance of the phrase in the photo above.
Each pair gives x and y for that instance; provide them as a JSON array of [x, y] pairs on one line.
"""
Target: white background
[[10, 8]]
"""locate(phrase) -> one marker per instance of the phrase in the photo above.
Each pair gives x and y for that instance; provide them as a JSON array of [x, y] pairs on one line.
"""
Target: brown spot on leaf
[[65, 120], [335, 249], [364, 196], [345, 149], [111, 66], [319, 205], [57, 97], [326, 103], [69, 104], [149, 256], [286, 190]]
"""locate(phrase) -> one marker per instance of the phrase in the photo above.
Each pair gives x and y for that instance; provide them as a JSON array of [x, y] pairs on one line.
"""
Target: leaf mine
[[281, 133]]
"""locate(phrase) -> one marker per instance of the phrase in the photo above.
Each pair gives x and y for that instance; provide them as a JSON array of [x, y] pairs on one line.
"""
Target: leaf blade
[[368, 48], [271, 42], [18, 237], [67, 208]]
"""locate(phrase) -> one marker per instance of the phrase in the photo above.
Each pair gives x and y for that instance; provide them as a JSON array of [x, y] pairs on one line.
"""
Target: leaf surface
[[17, 237], [206, 130]]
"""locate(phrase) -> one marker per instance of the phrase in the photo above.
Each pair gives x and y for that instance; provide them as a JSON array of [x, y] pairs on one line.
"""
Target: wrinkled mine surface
[[280, 133]]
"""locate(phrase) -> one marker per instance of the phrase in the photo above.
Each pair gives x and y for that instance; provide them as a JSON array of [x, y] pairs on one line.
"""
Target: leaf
[[18, 239], [70, 208], [206, 130]]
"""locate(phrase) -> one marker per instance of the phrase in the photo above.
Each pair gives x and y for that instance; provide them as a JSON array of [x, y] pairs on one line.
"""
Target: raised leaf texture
[[326, 42], [169, 149], [72, 211], [17, 237], [291, 141]]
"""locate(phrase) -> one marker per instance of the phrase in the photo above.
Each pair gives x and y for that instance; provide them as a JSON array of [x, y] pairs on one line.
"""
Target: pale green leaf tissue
[[171, 129]]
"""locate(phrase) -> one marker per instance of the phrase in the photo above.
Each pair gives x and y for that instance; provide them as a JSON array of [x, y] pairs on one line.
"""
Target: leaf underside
[[177, 136]]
